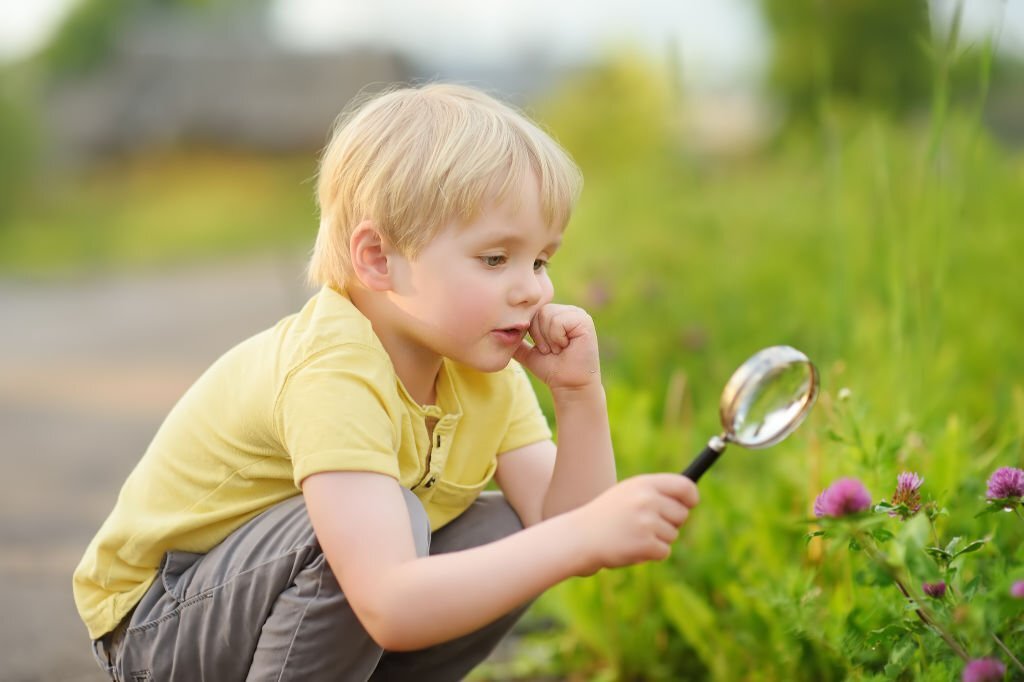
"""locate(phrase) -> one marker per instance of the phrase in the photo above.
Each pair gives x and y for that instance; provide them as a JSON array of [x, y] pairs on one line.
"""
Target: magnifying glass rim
[[751, 373]]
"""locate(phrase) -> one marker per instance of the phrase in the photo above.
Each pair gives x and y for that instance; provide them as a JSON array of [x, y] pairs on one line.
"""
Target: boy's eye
[[493, 261], [539, 264]]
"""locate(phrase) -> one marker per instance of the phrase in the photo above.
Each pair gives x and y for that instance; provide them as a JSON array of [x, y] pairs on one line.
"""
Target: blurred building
[[179, 77]]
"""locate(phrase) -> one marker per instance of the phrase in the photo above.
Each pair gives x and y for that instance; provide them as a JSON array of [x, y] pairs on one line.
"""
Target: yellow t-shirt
[[317, 392]]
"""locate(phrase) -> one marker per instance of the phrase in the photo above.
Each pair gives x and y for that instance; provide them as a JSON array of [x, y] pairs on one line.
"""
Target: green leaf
[[903, 652], [940, 554], [952, 544], [813, 534], [693, 618], [972, 547], [882, 535], [884, 635], [991, 509], [831, 434]]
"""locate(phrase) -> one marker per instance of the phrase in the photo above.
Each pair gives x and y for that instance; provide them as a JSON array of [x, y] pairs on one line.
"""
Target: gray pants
[[264, 605]]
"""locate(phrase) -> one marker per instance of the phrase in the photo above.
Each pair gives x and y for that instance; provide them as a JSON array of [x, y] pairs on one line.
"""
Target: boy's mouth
[[510, 335]]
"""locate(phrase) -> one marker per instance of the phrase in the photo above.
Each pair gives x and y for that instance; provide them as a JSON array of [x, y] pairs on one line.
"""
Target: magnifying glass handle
[[707, 457]]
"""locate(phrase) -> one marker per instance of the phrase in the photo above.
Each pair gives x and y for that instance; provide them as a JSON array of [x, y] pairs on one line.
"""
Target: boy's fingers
[[678, 487], [691, 497], [561, 331], [675, 513], [556, 331], [553, 327], [667, 531], [544, 325], [537, 334]]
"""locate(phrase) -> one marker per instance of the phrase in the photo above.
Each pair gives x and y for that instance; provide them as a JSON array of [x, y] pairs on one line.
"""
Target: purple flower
[[845, 496], [984, 670], [1017, 589], [936, 590], [1006, 482], [907, 485]]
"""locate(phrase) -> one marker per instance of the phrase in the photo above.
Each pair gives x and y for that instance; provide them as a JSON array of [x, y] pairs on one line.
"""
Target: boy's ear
[[370, 251]]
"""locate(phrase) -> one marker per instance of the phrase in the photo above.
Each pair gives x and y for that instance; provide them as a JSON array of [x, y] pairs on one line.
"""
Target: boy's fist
[[564, 353], [634, 521]]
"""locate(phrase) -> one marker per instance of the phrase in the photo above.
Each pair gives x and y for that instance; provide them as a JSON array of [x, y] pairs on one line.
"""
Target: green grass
[[888, 253], [159, 210]]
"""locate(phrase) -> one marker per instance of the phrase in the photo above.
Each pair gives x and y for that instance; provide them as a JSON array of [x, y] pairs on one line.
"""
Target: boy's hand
[[634, 521], [564, 353]]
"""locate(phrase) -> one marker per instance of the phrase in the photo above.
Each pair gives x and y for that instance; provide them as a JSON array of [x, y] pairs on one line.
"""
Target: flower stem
[[935, 532], [927, 619], [1008, 652], [919, 608]]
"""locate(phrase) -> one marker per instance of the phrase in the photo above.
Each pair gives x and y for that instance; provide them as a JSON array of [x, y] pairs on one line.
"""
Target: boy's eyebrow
[[516, 238]]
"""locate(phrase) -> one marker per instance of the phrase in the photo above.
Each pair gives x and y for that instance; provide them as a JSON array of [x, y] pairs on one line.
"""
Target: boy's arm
[[543, 480], [406, 602], [585, 465], [565, 357]]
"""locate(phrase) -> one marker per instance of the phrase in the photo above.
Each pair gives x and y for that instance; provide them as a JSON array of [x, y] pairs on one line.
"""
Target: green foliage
[[86, 36], [884, 251], [636, 114], [973, 616], [89, 33], [159, 210], [867, 51], [18, 143]]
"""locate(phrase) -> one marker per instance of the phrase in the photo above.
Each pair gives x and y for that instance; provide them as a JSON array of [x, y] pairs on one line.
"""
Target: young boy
[[311, 508]]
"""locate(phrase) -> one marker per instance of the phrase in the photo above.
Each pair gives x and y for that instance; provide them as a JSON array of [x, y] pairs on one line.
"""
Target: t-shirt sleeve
[[527, 424], [333, 413]]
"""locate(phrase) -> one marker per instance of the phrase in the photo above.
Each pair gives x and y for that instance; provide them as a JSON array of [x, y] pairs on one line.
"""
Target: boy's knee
[[488, 519], [500, 519]]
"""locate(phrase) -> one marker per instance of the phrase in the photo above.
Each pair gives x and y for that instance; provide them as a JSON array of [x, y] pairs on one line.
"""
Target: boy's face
[[471, 293]]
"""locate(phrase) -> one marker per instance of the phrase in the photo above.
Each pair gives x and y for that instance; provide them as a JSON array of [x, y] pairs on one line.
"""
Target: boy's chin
[[489, 365]]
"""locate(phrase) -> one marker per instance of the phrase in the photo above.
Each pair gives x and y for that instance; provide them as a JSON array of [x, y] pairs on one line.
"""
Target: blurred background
[[843, 176]]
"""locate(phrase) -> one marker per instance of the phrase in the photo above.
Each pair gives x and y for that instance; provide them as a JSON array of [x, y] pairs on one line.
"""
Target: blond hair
[[413, 160]]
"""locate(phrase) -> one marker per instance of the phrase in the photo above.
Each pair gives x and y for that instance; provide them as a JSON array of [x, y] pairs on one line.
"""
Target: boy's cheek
[[549, 294]]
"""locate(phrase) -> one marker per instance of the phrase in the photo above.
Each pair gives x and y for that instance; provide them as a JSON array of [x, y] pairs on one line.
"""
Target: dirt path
[[88, 369]]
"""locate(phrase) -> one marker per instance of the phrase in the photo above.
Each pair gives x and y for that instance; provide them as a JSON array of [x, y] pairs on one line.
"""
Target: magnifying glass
[[763, 402]]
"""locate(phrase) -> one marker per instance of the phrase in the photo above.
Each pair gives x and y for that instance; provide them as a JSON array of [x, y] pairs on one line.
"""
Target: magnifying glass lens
[[764, 400], [772, 407]]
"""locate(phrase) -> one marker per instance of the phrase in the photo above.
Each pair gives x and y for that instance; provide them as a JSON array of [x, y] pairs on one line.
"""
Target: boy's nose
[[528, 290]]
